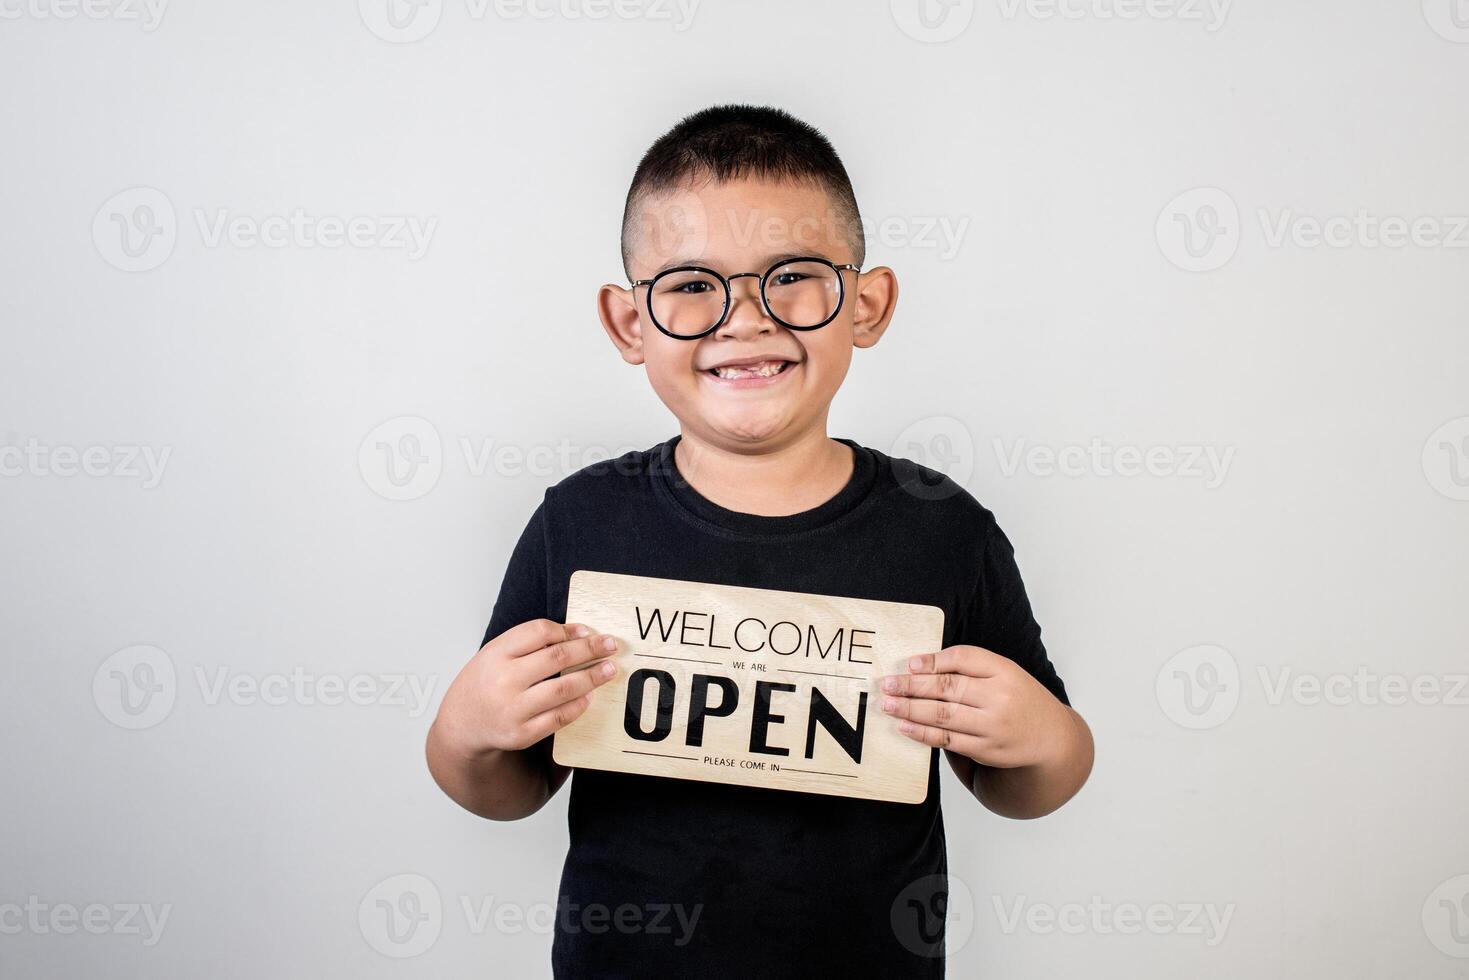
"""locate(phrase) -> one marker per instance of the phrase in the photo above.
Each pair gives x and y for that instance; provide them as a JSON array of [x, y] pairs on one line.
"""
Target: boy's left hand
[[972, 701]]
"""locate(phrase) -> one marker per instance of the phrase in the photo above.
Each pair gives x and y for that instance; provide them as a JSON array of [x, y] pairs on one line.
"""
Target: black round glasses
[[690, 301]]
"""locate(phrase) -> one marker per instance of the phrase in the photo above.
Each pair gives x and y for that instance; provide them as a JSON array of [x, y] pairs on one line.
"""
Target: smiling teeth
[[764, 369]]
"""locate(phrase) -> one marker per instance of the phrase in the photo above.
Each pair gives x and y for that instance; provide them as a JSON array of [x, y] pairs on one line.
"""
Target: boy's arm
[[994, 702], [489, 747], [1024, 792], [1011, 742]]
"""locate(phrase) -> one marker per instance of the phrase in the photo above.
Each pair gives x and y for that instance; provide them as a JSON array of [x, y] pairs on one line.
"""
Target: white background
[[1084, 299]]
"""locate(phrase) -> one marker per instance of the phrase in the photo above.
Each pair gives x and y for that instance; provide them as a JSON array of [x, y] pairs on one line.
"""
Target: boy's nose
[[747, 316]]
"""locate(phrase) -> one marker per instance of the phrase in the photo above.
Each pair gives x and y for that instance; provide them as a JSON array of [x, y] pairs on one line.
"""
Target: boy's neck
[[796, 477]]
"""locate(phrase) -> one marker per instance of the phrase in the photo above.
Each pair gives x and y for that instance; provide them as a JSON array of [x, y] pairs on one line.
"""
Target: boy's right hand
[[512, 693]]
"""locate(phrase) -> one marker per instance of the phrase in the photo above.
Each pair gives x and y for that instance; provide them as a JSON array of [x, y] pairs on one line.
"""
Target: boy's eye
[[692, 288], [788, 278]]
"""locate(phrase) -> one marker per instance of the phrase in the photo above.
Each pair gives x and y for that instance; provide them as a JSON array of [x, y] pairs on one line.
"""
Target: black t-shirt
[[672, 877]]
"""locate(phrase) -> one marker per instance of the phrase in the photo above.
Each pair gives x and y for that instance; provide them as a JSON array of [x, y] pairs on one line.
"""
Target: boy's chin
[[746, 431]]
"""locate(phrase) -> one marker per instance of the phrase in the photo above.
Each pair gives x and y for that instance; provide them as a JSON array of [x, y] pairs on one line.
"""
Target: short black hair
[[731, 142]]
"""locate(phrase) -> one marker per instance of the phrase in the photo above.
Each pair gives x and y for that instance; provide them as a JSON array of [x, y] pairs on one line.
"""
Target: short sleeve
[[523, 591], [999, 617]]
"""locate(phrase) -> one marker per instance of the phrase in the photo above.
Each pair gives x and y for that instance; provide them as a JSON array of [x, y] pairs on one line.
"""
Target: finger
[[959, 688], [967, 660], [566, 655], [942, 738], [537, 634], [957, 718], [551, 722], [555, 691]]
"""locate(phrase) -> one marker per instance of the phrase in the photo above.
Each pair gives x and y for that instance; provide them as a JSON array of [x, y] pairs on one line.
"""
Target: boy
[[743, 248]]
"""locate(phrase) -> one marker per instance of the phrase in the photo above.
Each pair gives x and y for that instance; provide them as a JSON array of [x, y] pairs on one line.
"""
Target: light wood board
[[801, 670]]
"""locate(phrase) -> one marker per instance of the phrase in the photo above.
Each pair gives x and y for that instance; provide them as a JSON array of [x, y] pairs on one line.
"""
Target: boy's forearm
[[495, 784], [1026, 792]]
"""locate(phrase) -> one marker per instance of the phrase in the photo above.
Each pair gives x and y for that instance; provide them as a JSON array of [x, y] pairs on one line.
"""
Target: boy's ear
[[877, 297], [618, 309]]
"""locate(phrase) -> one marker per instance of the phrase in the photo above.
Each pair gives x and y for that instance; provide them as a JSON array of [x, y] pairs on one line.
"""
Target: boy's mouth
[[750, 370]]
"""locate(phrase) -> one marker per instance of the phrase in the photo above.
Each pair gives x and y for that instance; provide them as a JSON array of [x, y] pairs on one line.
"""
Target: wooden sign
[[749, 686]]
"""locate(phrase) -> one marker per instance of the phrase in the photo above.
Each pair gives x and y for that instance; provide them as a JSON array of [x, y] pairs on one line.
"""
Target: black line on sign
[[818, 772], [691, 660], [661, 755], [823, 673]]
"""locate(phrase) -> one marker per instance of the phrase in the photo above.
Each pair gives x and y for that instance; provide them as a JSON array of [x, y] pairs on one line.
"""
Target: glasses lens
[[803, 294], [686, 302]]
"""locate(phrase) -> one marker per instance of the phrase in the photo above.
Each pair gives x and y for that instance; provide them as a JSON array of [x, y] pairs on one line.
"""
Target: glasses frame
[[764, 300]]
